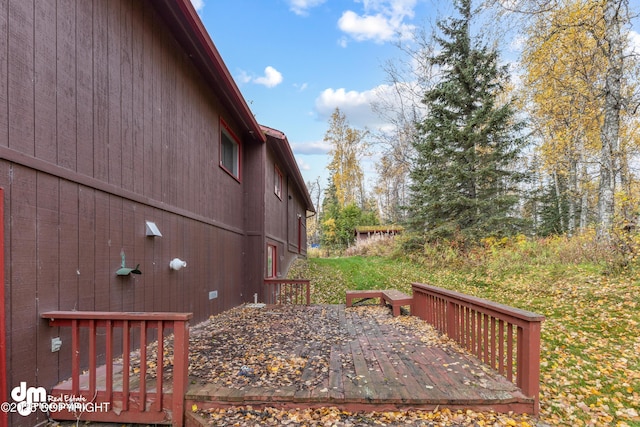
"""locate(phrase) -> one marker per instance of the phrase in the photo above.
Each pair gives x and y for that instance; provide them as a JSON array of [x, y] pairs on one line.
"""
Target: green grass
[[590, 364]]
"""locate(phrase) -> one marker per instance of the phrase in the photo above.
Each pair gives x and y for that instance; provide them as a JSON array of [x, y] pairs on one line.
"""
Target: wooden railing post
[[528, 376], [180, 368]]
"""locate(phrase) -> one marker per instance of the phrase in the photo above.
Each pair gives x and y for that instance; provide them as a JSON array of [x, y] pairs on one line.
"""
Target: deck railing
[[503, 337], [282, 291], [123, 394]]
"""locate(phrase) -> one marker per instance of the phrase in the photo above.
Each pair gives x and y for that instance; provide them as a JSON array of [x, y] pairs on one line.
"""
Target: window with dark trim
[[277, 177], [229, 151], [272, 256]]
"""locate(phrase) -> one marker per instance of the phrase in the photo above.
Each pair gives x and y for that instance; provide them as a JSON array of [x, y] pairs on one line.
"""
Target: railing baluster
[[473, 332], [109, 360], [160, 365], [501, 347], [465, 327], [126, 364], [493, 343], [479, 335], [93, 362], [143, 364], [487, 345], [510, 352], [75, 357]]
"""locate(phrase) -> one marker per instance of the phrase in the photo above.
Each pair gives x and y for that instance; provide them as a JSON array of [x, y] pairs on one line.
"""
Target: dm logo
[[27, 399]]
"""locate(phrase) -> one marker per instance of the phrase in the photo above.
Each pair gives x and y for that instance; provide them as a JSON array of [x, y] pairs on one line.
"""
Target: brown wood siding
[[282, 214], [276, 212], [254, 173], [104, 124]]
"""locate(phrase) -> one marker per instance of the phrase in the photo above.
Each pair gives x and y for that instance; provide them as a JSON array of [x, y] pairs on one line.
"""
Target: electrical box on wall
[[213, 294]]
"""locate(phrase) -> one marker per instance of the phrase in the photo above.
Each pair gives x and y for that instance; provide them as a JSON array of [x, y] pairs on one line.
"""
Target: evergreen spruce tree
[[463, 177]]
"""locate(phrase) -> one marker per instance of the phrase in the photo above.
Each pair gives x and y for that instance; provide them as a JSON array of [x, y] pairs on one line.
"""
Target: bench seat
[[397, 299], [366, 294], [393, 297]]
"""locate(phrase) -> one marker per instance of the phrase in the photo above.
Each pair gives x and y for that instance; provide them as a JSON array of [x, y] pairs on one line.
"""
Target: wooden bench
[[392, 297], [397, 299], [364, 295]]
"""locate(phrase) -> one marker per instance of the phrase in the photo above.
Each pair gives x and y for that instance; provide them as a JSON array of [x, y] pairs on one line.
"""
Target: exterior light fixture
[[177, 264]]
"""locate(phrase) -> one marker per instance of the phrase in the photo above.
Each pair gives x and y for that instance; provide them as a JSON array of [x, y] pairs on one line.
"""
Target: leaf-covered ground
[[590, 362], [334, 417], [590, 367]]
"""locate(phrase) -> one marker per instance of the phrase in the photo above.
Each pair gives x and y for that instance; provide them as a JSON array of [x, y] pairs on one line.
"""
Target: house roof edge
[[284, 149], [189, 31]]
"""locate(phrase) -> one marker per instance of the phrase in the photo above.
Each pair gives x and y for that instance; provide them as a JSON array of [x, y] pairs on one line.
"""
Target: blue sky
[[295, 61]]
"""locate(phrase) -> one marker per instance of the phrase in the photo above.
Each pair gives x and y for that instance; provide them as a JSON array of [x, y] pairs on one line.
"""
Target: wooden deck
[[378, 362], [381, 366]]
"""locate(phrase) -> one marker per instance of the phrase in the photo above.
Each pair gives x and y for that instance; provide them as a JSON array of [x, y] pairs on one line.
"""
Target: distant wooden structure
[[368, 232]]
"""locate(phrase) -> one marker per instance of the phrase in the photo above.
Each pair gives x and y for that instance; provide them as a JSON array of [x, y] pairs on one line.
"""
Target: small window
[[277, 177], [229, 151], [271, 261]]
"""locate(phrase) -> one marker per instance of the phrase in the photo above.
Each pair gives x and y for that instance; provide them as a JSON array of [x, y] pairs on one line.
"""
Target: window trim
[[273, 251], [278, 178], [226, 130]]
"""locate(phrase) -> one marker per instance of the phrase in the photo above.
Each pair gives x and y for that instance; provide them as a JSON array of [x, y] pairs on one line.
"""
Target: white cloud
[[198, 5], [301, 7], [367, 27], [634, 42], [304, 166], [382, 20], [355, 105], [311, 148], [243, 77], [271, 77]]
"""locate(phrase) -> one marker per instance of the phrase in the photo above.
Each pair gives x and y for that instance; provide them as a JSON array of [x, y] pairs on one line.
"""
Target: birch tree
[[563, 78], [584, 108], [348, 146], [615, 18]]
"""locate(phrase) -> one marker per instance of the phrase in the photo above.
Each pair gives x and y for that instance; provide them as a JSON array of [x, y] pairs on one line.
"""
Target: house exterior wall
[[104, 124], [284, 215]]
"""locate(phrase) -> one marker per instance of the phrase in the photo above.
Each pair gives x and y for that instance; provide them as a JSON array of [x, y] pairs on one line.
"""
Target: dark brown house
[[118, 122]]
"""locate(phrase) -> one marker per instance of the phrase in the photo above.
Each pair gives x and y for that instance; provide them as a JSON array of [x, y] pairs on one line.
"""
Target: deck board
[[388, 369]]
